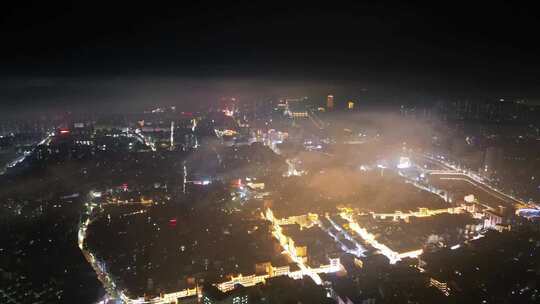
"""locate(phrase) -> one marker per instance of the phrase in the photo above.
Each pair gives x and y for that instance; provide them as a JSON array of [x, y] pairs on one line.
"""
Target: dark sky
[[444, 49]]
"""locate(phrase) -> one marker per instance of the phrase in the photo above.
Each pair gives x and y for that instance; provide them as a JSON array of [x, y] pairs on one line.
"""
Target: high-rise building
[[330, 102], [172, 135]]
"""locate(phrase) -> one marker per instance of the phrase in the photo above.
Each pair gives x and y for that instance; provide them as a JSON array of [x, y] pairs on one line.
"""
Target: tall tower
[[330, 102], [184, 174], [172, 135]]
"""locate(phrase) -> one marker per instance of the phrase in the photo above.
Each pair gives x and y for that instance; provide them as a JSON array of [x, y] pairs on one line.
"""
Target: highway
[[21, 158], [478, 181]]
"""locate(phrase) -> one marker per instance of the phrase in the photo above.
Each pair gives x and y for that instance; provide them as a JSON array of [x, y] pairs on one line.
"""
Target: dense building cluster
[[286, 201]]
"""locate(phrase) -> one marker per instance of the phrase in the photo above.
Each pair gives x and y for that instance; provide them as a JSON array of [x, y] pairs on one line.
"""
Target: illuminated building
[[296, 107], [225, 132], [242, 280], [422, 212], [469, 198], [304, 220], [492, 219], [298, 250], [350, 105], [301, 114], [330, 102], [256, 186], [282, 105], [279, 270], [172, 135], [441, 286], [229, 106]]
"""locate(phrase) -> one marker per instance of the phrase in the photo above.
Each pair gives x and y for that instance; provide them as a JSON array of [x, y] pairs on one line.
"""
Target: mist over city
[[265, 153]]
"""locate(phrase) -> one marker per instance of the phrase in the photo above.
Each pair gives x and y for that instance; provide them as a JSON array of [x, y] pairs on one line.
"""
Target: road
[[456, 172], [305, 269], [358, 251], [21, 158]]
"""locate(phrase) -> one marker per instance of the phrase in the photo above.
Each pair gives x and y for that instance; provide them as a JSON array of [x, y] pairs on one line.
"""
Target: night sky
[[79, 53]]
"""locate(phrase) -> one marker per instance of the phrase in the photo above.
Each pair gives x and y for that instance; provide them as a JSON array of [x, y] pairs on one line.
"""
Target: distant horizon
[[90, 54], [114, 94]]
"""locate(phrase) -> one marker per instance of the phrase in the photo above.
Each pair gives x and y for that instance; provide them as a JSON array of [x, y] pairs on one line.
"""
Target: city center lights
[[342, 203], [318, 216]]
